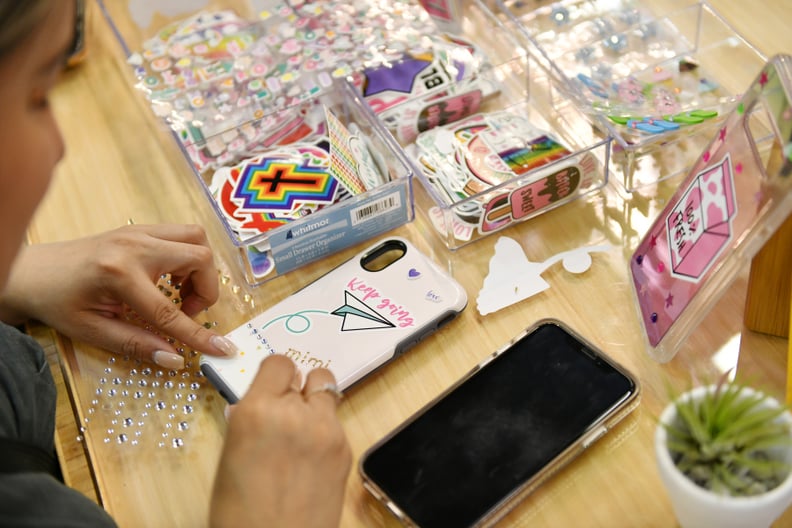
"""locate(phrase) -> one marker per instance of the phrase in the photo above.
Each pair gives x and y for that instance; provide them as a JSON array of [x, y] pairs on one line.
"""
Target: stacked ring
[[332, 388]]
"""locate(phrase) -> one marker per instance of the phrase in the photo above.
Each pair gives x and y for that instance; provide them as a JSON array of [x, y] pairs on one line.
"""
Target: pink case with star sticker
[[733, 199], [352, 320]]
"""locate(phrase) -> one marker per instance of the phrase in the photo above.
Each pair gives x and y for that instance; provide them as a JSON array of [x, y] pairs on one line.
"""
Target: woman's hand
[[83, 289], [286, 459]]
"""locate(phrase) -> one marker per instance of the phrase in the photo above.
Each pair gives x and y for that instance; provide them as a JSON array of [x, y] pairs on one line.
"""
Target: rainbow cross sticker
[[281, 184]]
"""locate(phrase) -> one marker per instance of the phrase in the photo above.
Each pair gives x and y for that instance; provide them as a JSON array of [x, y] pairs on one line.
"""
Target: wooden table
[[121, 165]]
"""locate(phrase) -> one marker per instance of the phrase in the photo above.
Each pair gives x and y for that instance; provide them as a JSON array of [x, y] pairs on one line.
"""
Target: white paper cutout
[[513, 278]]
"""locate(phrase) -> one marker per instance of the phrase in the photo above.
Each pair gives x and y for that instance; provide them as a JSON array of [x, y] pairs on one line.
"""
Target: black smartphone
[[479, 448]]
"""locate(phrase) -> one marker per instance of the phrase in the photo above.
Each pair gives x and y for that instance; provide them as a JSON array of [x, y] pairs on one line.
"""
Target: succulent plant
[[725, 441]]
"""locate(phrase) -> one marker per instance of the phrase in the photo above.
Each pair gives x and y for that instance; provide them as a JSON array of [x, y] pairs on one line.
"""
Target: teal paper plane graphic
[[358, 316]]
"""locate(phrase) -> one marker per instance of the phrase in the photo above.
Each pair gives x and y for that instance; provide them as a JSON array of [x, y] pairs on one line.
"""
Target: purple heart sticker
[[413, 273]]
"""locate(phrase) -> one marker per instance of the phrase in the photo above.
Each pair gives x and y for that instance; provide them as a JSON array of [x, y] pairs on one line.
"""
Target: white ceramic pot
[[696, 507]]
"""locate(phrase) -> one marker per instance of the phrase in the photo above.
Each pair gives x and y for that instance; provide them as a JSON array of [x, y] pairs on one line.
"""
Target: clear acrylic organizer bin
[[377, 201], [492, 143], [658, 83], [243, 86]]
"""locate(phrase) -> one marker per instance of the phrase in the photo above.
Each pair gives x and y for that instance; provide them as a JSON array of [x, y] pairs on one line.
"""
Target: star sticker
[[653, 241], [722, 134], [399, 76], [660, 267], [669, 301], [763, 79]]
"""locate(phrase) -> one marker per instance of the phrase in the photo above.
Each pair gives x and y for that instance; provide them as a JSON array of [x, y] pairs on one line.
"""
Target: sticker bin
[[648, 79], [492, 141], [224, 78]]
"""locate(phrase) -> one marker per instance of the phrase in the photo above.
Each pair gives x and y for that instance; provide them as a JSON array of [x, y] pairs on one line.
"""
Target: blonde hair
[[18, 19]]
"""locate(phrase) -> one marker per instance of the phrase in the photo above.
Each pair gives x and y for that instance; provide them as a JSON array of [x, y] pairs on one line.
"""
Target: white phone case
[[351, 320]]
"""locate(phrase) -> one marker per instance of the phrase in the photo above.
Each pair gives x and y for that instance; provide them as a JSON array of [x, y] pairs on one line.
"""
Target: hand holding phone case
[[736, 195], [352, 320]]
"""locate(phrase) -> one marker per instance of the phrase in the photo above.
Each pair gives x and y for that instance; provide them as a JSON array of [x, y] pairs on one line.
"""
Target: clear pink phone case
[[735, 196], [351, 320]]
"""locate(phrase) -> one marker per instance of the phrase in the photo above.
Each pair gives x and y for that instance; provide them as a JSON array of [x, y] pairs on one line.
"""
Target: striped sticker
[[343, 164]]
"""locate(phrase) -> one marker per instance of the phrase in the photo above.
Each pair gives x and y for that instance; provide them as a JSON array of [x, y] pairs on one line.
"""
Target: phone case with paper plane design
[[352, 320]]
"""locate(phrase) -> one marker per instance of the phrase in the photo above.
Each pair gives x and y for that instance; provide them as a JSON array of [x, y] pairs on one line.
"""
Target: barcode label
[[389, 203]]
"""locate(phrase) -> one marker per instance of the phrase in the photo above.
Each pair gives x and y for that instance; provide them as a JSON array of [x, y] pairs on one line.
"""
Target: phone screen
[[498, 429]]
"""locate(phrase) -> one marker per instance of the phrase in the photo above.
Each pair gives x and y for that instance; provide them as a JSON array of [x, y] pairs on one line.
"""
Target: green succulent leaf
[[725, 440], [693, 423], [750, 420]]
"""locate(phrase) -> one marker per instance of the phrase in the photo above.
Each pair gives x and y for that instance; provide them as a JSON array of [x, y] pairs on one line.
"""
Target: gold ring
[[332, 388]]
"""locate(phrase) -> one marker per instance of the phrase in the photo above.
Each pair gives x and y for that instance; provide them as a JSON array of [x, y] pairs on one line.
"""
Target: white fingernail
[[168, 360], [225, 345]]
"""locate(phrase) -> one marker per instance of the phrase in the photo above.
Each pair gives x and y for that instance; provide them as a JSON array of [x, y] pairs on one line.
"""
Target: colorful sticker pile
[[421, 91], [466, 162], [193, 74], [214, 76], [290, 181]]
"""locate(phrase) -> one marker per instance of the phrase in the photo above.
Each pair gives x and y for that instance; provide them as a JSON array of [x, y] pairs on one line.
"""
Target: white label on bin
[[372, 210]]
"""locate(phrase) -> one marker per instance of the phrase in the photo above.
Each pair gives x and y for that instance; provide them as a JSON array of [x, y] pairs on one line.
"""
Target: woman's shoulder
[[27, 391], [37, 499]]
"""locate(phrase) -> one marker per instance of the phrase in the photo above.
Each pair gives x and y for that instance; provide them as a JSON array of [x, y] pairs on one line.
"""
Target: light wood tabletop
[[151, 461]]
